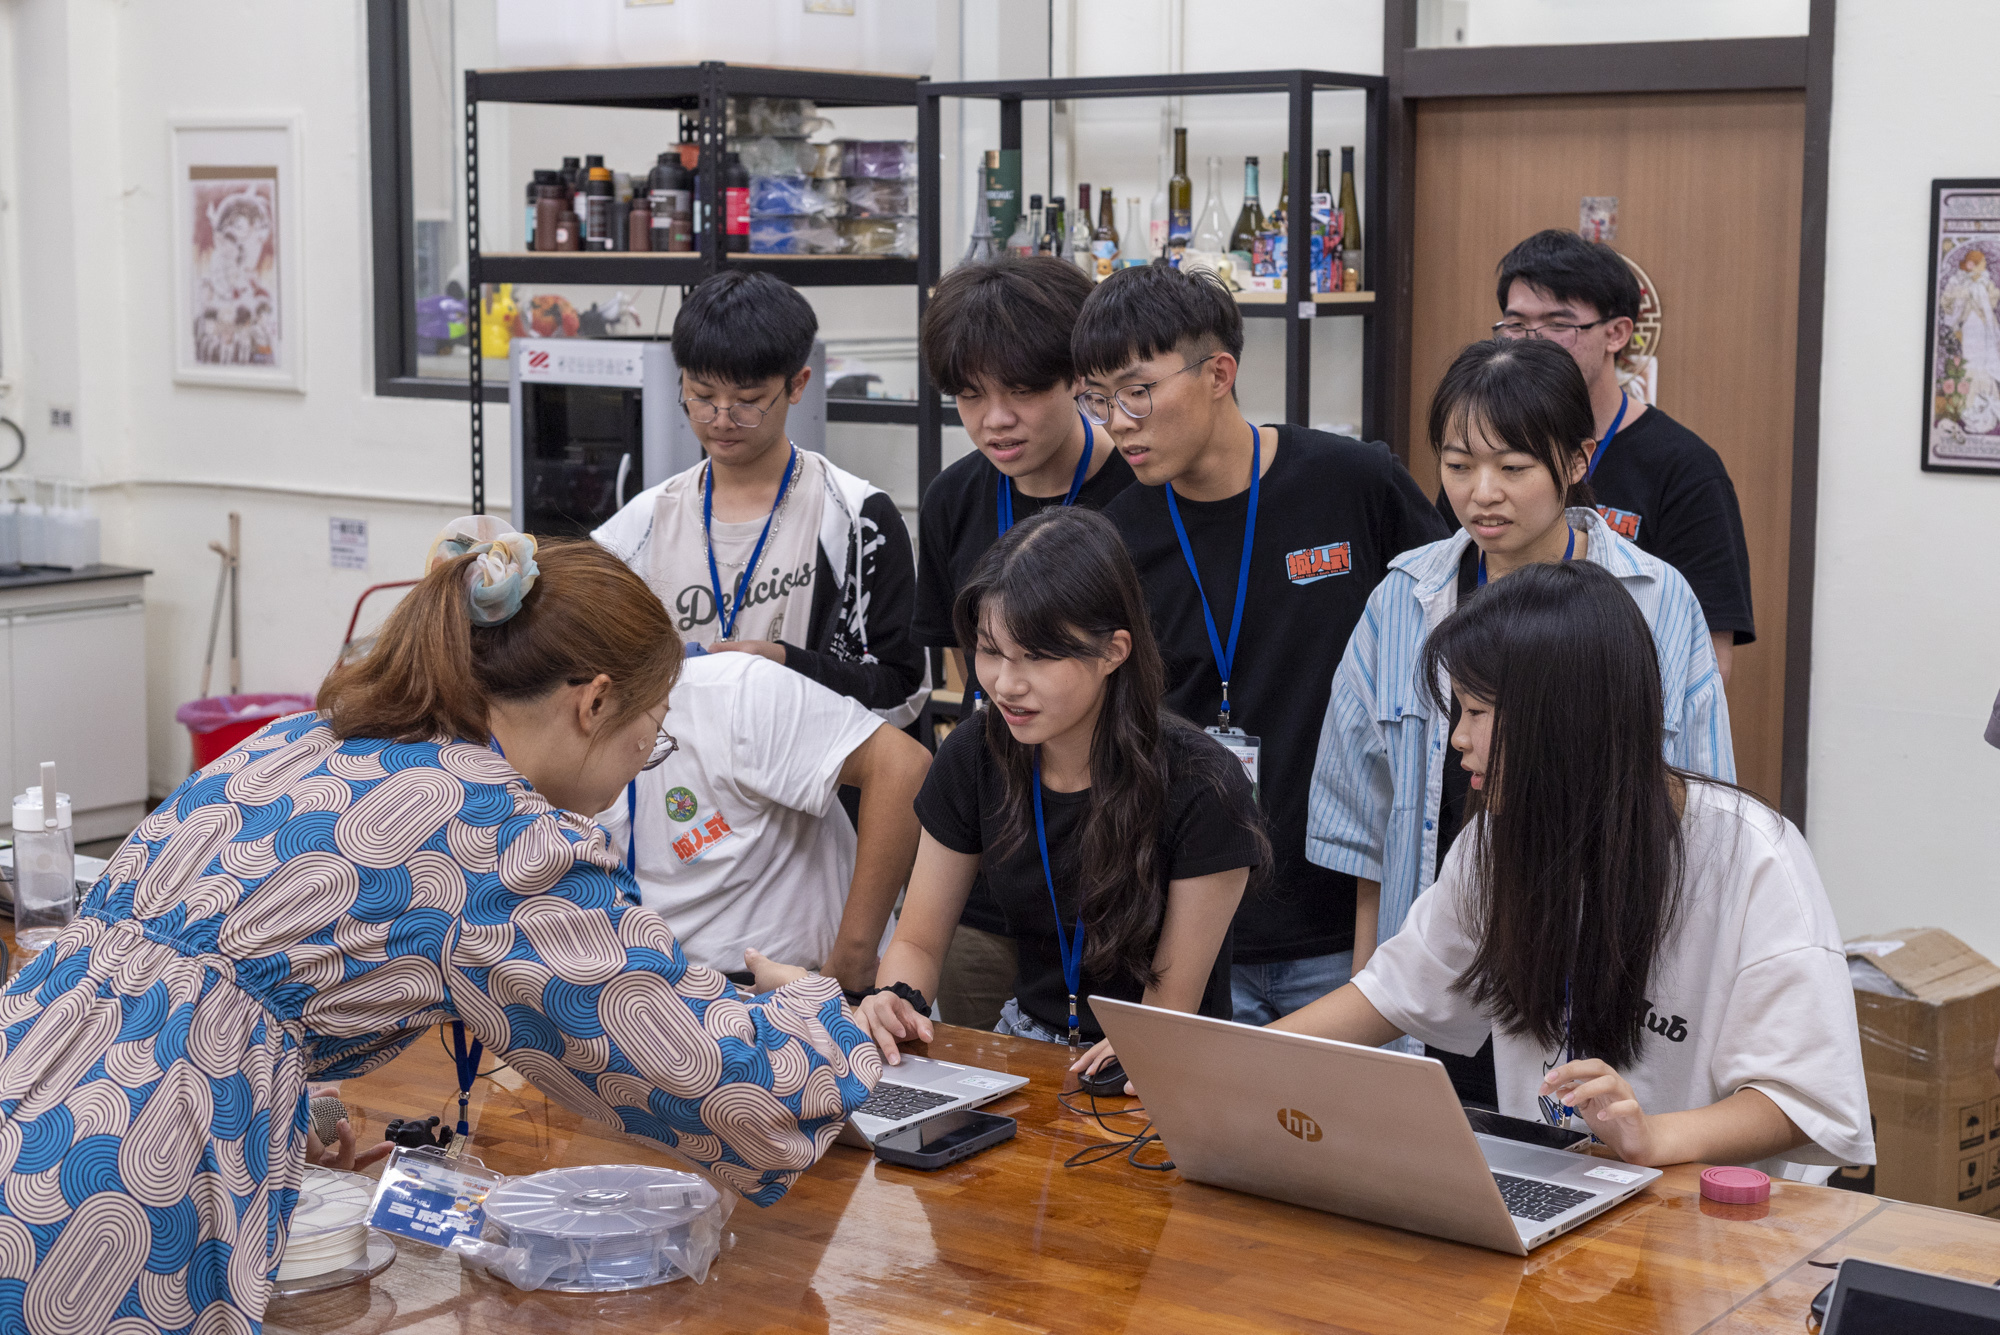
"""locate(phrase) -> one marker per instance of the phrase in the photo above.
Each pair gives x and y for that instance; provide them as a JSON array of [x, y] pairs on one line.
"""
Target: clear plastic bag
[[868, 198], [794, 236], [777, 155], [795, 196], [600, 1228], [879, 159], [880, 236]]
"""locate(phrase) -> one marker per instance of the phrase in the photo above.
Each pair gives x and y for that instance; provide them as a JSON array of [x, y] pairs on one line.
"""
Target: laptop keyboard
[[1538, 1201], [892, 1103]]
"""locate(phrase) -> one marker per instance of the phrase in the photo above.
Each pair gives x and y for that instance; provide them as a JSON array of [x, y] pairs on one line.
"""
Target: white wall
[[1904, 810]]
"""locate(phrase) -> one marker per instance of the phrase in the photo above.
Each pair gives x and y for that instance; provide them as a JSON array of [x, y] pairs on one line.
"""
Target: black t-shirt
[[1332, 513], [1660, 485], [1209, 827], [960, 520]]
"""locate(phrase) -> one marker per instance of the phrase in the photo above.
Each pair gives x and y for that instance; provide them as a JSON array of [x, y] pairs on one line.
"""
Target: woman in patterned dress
[[314, 900]]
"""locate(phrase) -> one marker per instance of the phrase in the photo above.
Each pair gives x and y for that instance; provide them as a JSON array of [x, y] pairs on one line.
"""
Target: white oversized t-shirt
[[741, 840], [1750, 991]]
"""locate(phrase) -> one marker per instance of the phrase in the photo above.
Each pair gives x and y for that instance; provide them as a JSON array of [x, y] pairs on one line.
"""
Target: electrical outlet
[[62, 418]]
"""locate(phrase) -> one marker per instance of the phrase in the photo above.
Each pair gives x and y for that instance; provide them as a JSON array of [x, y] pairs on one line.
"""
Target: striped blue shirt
[[1379, 777]]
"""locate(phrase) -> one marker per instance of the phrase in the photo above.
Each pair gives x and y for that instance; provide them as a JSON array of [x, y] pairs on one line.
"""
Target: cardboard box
[[1929, 1010]]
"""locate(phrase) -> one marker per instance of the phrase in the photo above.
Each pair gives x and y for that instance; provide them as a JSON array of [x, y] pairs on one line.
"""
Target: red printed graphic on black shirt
[[1309, 565]]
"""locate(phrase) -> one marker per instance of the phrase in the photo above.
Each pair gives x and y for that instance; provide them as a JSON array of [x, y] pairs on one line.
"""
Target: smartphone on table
[[944, 1139]]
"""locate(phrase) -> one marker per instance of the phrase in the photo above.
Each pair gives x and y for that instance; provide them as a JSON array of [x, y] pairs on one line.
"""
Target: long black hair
[[1578, 864], [1522, 394], [1060, 583]]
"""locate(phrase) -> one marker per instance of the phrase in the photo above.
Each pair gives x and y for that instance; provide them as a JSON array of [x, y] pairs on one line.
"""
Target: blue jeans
[[1017, 1023], [1261, 993]]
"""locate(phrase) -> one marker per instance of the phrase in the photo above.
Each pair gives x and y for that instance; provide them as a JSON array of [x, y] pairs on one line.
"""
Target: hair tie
[[503, 573]]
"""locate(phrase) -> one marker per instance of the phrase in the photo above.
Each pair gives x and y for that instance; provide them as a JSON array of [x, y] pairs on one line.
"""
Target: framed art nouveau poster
[[1962, 363], [238, 304]]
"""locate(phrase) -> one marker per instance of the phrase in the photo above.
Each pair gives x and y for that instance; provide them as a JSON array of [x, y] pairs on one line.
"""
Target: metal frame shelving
[[1299, 87], [703, 89]]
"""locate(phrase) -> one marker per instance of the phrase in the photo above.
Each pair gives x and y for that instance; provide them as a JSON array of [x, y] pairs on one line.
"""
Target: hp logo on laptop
[[1298, 1124]]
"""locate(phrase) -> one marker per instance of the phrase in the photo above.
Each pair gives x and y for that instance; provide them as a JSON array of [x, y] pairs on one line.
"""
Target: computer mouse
[[1109, 1082], [1819, 1305]]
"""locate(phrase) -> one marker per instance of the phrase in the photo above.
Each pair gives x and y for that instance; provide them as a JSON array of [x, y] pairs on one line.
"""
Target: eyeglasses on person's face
[[748, 416], [1556, 331], [1135, 401], [663, 746]]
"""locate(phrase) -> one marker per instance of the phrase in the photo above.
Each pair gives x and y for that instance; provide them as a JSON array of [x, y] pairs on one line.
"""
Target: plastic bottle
[[10, 531], [551, 207], [44, 866], [735, 204], [33, 551], [599, 203], [672, 204]]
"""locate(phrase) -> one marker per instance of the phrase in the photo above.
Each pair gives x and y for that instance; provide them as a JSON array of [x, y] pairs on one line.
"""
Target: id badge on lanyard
[[1245, 748]]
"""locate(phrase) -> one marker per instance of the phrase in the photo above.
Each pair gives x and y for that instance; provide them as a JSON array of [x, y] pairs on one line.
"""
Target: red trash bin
[[219, 722]]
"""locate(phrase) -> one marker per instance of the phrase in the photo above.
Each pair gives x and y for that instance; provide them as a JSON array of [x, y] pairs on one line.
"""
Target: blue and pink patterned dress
[[305, 908]]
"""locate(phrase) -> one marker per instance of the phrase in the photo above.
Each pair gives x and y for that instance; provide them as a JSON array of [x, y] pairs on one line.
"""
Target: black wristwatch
[[903, 990]]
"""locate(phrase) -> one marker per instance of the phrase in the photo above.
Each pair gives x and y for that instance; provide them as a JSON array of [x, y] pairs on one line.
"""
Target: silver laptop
[[1357, 1131], [921, 1087]]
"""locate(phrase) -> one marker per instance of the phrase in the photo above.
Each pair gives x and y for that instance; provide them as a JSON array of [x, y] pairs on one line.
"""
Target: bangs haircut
[[1006, 321], [741, 328], [1525, 395], [1569, 268], [1146, 310]]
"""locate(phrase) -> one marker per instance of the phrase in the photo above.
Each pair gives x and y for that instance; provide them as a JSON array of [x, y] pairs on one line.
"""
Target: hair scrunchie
[[502, 575]]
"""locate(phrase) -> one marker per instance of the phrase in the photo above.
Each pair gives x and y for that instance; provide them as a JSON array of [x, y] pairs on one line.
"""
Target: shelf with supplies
[[882, 412], [706, 90], [1298, 87]]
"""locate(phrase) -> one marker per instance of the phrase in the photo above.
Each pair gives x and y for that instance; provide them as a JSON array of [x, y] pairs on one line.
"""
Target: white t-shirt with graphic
[[741, 839], [1750, 991]]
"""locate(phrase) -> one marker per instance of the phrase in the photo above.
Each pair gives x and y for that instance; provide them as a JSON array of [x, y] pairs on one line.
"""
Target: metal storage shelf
[[704, 89], [1298, 86]]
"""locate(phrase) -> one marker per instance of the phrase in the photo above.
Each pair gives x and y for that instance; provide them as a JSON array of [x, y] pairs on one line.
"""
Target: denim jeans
[[1017, 1023], [1261, 993]]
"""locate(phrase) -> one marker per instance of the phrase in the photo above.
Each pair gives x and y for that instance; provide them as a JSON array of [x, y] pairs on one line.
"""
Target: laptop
[[1357, 1131], [918, 1088], [1874, 1299]]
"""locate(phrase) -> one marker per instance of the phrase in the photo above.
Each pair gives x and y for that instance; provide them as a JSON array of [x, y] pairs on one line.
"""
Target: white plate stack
[[329, 1224]]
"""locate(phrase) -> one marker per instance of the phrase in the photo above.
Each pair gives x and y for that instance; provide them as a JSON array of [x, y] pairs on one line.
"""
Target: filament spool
[[329, 1224], [603, 1227]]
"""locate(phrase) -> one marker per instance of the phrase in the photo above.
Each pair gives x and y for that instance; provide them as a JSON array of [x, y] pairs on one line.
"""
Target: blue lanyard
[[727, 620], [1070, 947], [1225, 659], [1616, 422], [466, 1059], [1555, 1112], [1004, 503], [632, 828], [1568, 552]]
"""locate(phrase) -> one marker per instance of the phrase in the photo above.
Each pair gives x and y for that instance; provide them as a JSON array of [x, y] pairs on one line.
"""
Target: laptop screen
[[1872, 1299]]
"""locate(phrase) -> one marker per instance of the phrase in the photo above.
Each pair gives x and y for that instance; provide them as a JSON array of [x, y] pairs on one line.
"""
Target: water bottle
[[44, 866]]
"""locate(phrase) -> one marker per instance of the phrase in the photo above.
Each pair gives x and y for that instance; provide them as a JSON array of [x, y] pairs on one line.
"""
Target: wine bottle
[[1211, 233], [1132, 248], [1250, 218], [1284, 209], [1350, 216], [1079, 232], [1050, 242], [1325, 230], [1180, 201], [1104, 241], [1026, 228]]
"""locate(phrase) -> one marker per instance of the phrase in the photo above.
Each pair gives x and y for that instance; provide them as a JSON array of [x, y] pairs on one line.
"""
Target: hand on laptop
[[1609, 1107], [887, 1017], [1088, 1063], [770, 974]]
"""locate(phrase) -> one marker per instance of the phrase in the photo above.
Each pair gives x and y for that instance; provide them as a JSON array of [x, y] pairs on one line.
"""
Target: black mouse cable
[[1128, 1143]]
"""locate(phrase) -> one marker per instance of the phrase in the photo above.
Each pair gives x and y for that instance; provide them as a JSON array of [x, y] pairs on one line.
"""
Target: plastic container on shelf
[[777, 155], [879, 236], [795, 196], [218, 722], [795, 236], [881, 199], [874, 37], [879, 159]]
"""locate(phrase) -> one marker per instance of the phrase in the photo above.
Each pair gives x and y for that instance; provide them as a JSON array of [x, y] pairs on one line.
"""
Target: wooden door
[[1708, 188]]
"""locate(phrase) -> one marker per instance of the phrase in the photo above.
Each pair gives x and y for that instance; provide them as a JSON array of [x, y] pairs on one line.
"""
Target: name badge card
[[431, 1198], [1244, 747]]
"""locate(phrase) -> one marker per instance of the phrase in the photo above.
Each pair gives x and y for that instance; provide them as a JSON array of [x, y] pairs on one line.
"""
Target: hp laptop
[[1874, 1299], [921, 1087], [1357, 1131]]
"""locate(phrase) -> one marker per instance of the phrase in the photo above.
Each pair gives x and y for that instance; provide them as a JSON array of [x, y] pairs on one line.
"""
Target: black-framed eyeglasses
[[1135, 401], [1559, 331], [663, 746], [704, 412]]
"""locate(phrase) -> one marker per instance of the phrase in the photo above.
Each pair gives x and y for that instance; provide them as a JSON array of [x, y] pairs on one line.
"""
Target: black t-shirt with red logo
[[1332, 513], [1659, 485]]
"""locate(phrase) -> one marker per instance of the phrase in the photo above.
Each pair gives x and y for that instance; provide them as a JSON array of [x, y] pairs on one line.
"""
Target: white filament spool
[[329, 1224], [600, 1227]]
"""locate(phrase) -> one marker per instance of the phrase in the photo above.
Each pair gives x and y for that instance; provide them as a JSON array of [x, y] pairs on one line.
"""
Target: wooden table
[[1011, 1240]]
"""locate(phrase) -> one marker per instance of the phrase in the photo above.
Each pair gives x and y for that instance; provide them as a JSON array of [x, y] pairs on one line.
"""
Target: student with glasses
[[1650, 953], [765, 548], [996, 338], [1657, 483], [1510, 424], [1257, 548]]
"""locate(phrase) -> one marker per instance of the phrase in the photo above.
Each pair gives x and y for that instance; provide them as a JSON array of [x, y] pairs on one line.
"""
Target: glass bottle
[[1325, 236], [1078, 252], [1350, 213], [1284, 209], [1026, 228], [1250, 218], [1104, 240], [1180, 201], [1211, 233], [1050, 242], [1132, 247], [1156, 226]]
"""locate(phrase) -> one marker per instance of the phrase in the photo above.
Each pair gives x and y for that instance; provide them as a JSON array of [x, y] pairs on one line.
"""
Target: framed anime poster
[[1962, 363], [238, 304]]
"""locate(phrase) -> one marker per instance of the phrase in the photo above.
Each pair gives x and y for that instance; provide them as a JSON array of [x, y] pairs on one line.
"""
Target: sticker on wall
[[1962, 377], [347, 541], [1639, 363], [1597, 217]]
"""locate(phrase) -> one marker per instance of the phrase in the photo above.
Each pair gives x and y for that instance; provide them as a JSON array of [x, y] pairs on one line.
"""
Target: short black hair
[[1524, 394], [1569, 268], [1007, 321], [742, 327], [1146, 310]]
